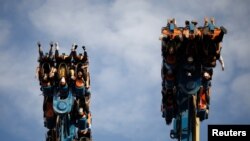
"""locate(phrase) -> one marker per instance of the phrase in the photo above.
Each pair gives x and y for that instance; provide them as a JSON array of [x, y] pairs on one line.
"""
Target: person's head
[[79, 74], [63, 55], [71, 72], [80, 56], [45, 77], [190, 59], [63, 81], [171, 50], [81, 112], [46, 55]]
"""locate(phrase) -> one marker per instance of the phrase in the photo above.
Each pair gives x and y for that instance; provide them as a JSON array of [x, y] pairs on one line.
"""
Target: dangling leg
[[51, 50], [206, 82], [163, 102], [40, 50], [87, 99], [169, 106]]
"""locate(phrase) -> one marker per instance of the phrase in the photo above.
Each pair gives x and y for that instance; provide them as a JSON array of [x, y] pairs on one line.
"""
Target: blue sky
[[121, 37]]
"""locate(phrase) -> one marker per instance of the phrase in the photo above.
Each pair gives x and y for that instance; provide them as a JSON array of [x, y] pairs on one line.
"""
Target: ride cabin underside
[[189, 55]]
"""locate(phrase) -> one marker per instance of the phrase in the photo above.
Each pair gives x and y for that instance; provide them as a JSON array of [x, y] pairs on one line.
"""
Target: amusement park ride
[[65, 83], [189, 55]]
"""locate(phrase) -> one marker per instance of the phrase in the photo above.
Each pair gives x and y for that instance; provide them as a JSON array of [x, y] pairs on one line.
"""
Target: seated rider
[[211, 52], [63, 88], [84, 124], [212, 39], [49, 115], [63, 62], [45, 71], [171, 38], [211, 48], [84, 97], [73, 65], [81, 60], [82, 70], [189, 52]]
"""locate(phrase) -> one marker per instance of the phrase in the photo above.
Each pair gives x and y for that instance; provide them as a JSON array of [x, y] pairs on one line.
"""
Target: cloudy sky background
[[121, 37]]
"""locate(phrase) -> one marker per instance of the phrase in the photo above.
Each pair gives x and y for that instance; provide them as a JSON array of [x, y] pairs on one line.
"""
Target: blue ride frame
[[187, 89], [65, 128]]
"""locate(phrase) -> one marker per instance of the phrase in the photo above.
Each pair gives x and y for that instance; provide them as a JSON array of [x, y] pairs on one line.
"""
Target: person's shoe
[[163, 112], [39, 44], [44, 122], [56, 45], [51, 44]]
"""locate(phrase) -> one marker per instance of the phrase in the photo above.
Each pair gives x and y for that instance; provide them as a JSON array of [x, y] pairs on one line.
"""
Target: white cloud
[[5, 32], [240, 90]]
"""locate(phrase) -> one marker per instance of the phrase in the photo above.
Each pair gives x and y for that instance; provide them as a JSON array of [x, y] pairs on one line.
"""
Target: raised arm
[[73, 51], [57, 50], [51, 50], [40, 49]]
